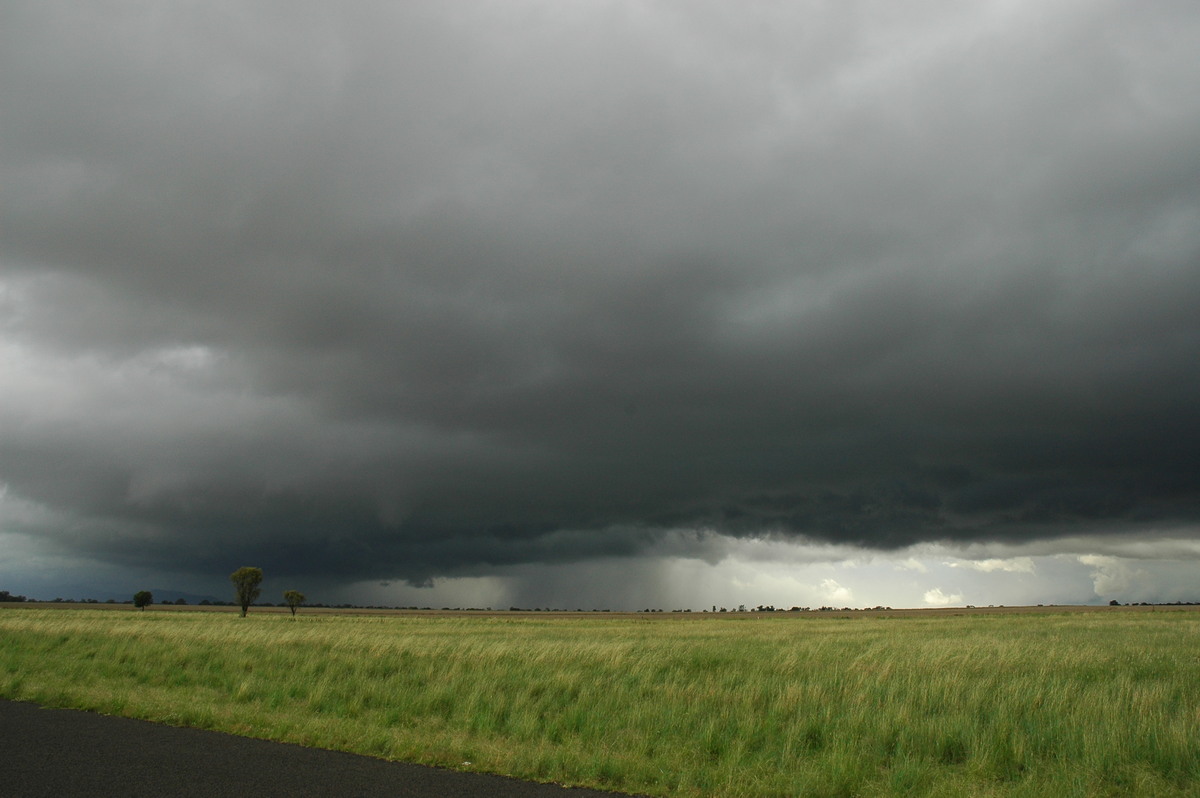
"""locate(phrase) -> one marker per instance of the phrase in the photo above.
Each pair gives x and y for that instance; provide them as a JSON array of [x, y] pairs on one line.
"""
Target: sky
[[602, 304]]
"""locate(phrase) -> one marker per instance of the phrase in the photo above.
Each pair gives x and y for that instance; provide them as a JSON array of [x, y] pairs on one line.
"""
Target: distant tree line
[[247, 581]]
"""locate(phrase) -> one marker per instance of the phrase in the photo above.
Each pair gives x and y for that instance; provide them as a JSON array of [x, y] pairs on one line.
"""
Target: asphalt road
[[59, 753]]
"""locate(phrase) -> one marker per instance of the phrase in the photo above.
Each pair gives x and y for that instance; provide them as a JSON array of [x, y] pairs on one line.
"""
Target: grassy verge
[[1004, 705]]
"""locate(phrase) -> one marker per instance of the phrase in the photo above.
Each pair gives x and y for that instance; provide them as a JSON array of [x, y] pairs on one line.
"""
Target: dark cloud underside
[[424, 288]]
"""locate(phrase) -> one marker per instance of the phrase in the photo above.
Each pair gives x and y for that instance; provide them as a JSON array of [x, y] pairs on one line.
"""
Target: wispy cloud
[[1022, 565]]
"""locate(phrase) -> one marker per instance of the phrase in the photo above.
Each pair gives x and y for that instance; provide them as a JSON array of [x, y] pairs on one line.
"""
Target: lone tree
[[294, 599], [143, 599], [245, 582]]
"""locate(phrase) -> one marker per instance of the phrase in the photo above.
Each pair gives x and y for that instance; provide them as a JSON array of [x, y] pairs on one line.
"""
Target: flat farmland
[[996, 701]]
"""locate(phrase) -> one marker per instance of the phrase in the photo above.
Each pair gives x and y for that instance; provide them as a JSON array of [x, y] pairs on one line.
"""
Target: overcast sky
[[602, 303]]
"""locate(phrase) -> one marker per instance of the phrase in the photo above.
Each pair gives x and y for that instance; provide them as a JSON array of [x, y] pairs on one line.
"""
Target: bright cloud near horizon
[[602, 304]]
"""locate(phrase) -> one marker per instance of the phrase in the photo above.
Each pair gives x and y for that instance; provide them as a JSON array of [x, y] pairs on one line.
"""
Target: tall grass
[[1004, 705]]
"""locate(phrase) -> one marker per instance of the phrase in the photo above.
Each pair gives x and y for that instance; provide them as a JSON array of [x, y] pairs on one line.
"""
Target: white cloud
[[936, 598], [832, 591], [1112, 577]]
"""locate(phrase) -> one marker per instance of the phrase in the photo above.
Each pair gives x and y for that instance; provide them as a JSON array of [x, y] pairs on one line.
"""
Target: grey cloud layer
[[421, 288]]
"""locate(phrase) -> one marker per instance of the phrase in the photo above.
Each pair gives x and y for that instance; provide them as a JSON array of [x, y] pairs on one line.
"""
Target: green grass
[[993, 705]]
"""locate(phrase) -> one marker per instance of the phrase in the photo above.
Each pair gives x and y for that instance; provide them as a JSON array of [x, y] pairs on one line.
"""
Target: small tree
[[294, 599], [245, 583], [143, 599]]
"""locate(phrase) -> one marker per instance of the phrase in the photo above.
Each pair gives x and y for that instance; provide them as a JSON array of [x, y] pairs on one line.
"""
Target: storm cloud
[[408, 291]]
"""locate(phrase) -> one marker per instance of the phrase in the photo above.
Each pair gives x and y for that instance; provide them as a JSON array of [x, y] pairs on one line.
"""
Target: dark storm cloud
[[394, 291]]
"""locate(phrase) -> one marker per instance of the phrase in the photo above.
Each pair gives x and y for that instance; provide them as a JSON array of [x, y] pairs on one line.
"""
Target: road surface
[[59, 753]]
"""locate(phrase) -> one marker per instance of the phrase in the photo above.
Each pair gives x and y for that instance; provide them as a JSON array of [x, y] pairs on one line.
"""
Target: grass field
[[1004, 704]]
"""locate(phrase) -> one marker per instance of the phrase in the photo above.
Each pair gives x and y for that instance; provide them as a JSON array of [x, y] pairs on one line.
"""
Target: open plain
[[997, 701]]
